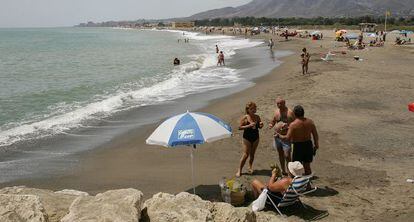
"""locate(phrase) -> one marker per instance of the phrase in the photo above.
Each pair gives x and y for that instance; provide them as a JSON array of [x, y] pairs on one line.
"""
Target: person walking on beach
[[217, 49], [305, 61], [221, 59], [300, 134], [250, 124], [283, 116], [271, 44]]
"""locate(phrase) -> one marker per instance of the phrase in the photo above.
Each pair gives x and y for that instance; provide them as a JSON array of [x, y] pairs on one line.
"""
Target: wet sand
[[359, 107]]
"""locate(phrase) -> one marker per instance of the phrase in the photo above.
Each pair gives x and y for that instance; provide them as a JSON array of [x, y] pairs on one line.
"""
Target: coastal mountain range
[[311, 8]]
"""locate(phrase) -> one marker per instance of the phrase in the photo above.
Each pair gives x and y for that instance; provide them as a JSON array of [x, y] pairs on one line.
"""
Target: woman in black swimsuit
[[250, 124]]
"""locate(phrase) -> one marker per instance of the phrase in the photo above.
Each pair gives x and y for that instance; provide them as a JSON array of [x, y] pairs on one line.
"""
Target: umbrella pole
[[192, 166]]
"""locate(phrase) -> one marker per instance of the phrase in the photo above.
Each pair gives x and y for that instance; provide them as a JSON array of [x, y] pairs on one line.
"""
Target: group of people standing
[[292, 137]]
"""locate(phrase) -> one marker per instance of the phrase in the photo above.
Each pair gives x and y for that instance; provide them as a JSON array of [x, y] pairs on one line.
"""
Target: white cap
[[296, 168]]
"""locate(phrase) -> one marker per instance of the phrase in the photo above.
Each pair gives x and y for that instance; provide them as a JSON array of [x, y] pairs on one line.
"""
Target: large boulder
[[187, 207], [56, 205], [19, 208], [224, 212], [180, 207], [115, 205]]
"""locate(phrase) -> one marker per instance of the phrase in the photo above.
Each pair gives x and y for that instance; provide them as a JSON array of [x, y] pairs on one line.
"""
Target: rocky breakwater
[[37, 205]]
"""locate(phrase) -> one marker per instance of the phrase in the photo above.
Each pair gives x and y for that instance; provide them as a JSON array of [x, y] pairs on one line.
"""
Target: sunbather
[[277, 186]]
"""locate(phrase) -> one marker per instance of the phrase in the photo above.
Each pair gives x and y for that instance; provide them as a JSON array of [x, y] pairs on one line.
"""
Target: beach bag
[[260, 202]]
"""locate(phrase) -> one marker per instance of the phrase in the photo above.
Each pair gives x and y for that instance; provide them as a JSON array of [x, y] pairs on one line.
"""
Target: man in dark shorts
[[300, 134]]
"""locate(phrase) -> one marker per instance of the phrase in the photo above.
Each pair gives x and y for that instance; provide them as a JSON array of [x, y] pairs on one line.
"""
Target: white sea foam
[[199, 75]]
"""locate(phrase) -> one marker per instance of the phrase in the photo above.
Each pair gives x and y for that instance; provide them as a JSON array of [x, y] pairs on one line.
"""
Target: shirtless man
[[300, 133], [305, 61], [282, 118]]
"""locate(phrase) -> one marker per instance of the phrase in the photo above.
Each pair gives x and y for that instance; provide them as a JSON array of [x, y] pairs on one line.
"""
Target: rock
[[223, 212], [115, 205], [56, 205], [269, 216], [188, 207], [181, 207], [72, 192], [16, 208]]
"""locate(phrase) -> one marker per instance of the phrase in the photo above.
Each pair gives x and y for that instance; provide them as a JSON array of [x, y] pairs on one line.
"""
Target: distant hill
[[312, 8]]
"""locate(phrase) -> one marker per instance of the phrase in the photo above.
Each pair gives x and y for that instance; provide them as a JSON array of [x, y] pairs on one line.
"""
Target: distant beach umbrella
[[316, 33], [342, 31], [411, 107], [190, 129]]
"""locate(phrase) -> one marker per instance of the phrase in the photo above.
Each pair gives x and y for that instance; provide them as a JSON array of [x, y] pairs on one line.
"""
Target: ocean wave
[[201, 74]]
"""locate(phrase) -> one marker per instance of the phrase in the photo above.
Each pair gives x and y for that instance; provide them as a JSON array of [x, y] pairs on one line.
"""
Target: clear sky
[[52, 13]]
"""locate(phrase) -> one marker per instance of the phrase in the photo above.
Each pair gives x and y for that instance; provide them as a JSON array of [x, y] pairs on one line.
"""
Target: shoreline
[[361, 166], [54, 156], [248, 62]]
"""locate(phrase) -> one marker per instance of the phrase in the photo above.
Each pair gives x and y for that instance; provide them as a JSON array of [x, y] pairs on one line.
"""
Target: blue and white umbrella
[[190, 129]]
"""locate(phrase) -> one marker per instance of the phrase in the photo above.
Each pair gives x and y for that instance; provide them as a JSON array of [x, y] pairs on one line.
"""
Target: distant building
[[183, 24], [368, 27]]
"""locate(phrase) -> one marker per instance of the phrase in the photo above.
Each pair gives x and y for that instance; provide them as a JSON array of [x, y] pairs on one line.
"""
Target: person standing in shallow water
[[250, 124], [271, 44], [221, 59]]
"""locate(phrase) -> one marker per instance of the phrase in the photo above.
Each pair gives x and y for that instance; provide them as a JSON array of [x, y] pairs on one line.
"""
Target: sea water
[[64, 91], [54, 80]]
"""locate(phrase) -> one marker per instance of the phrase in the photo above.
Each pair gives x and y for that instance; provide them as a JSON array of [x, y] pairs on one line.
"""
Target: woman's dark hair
[[304, 50], [298, 111]]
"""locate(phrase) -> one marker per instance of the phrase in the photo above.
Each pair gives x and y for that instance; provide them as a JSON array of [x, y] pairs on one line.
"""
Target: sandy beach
[[359, 107]]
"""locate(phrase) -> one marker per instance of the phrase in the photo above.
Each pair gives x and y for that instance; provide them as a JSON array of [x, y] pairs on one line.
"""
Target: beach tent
[[403, 32], [352, 36], [190, 129], [372, 35], [411, 107]]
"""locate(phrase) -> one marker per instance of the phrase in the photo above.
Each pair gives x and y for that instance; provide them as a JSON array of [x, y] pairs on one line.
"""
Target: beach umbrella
[[190, 129], [316, 33], [341, 31], [411, 107]]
